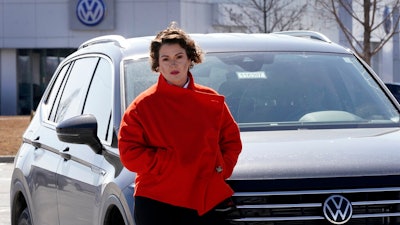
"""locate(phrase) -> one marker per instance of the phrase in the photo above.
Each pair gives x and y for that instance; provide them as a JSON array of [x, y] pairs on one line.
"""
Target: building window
[[35, 69]]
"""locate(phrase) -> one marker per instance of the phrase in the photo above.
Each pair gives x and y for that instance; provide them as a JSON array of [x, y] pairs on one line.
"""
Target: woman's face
[[174, 64]]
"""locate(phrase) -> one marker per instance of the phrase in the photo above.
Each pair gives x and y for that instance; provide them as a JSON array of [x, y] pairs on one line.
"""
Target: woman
[[180, 139]]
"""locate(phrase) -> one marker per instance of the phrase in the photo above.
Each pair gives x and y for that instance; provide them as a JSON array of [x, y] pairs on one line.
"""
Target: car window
[[75, 89], [363, 96], [99, 97], [138, 77], [394, 89], [278, 89], [54, 93]]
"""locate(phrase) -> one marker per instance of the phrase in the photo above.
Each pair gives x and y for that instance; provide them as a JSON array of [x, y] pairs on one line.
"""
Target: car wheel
[[24, 218]]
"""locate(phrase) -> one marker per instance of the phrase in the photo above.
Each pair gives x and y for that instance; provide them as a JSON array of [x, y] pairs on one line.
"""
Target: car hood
[[318, 153]]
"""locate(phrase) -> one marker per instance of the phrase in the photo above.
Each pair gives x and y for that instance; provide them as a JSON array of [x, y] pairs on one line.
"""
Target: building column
[[347, 20], [396, 49], [8, 82]]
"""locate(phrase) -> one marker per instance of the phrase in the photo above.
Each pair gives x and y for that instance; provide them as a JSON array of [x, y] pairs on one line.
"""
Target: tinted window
[[74, 93], [395, 89], [55, 93], [98, 101]]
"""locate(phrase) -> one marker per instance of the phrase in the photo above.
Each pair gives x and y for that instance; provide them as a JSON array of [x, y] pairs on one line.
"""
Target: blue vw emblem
[[90, 12]]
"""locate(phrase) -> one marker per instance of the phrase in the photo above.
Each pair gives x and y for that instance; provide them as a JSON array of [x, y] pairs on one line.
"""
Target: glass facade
[[35, 67]]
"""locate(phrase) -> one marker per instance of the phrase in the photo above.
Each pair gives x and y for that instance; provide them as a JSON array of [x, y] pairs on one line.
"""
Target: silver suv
[[320, 132]]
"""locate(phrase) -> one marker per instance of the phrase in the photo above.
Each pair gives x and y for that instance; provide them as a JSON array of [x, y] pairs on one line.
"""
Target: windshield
[[289, 89]]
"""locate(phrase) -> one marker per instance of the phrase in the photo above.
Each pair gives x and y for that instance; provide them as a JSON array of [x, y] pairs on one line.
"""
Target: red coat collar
[[163, 85]]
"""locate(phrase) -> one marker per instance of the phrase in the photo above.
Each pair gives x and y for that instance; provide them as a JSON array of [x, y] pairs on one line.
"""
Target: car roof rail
[[305, 33], [119, 40]]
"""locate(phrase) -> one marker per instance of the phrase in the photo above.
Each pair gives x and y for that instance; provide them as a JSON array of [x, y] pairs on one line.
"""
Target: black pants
[[151, 212]]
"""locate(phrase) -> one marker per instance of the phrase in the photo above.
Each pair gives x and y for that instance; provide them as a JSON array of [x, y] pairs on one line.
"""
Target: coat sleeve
[[230, 143], [135, 153]]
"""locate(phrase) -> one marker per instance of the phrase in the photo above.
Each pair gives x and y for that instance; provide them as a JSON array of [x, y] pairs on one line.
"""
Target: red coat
[[178, 140]]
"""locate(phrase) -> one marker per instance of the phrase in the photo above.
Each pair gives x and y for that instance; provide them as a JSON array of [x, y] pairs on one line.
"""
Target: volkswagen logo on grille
[[337, 209], [90, 12]]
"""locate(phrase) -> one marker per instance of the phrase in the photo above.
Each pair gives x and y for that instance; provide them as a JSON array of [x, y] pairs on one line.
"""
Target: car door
[[43, 185], [43, 165], [79, 184], [80, 173]]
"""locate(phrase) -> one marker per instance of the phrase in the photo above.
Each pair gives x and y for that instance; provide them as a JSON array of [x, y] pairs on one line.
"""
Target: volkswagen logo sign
[[337, 209], [90, 12]]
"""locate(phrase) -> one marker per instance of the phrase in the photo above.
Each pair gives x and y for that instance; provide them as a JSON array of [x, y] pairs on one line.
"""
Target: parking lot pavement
[[5, 179]]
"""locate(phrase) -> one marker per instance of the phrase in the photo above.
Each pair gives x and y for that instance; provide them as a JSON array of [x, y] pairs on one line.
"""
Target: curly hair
[[174, 35]]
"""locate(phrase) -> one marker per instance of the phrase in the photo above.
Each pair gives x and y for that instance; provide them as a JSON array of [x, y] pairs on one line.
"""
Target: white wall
[[37, 24], [45, 23]]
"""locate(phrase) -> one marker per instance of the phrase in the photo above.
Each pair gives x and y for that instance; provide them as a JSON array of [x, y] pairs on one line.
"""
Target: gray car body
[[326, 153], [266, 155]]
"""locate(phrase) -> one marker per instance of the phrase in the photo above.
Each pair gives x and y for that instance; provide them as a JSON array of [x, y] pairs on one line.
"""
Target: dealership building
[[35, 35]]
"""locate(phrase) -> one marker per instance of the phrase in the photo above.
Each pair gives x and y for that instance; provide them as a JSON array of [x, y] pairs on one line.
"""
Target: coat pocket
[[162, 159]]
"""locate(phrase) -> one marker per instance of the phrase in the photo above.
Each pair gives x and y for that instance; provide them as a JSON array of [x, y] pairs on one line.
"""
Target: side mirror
[[80, 129]]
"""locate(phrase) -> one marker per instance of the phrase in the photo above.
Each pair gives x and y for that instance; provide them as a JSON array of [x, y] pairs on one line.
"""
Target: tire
[[24, 218]]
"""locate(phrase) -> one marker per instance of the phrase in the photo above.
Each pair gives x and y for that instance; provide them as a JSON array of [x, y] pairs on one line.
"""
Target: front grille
[[370, 205]]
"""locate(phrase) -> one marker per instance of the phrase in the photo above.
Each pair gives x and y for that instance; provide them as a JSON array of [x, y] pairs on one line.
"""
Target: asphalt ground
[[6, 167]]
